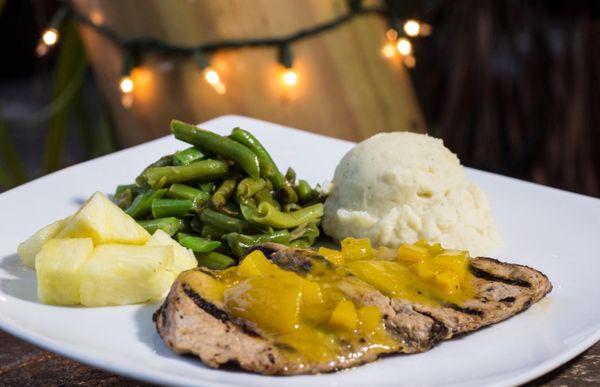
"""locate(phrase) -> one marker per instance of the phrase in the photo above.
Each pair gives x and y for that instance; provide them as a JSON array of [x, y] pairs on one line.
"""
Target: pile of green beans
[[221, 196]]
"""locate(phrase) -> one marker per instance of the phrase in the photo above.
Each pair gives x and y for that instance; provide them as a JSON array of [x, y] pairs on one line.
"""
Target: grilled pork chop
[[190, 323]]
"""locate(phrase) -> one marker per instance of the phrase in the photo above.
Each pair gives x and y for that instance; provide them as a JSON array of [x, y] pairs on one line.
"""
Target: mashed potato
[[402, 187]]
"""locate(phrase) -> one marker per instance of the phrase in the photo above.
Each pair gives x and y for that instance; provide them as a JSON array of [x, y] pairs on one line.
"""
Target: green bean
[[199, 245], [248, 211], [123, 198], [180, 235], [208, 187], [290, 175], [219, 145], [222, 221], [307, 232], [291, 207], [239, 243], [305, 191], [168, 225], [211, 232], [249, 187], [268, 215], [183, 191], [171, 207], [187, 156], [265, 195], [134, 188], [157, 177], [214, 260], [268, 168], [162, 162], [287, 194], [141, 205], [223, 193]]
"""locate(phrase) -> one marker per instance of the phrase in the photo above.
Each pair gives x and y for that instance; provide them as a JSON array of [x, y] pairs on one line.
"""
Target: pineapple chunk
[[117, 274], [183, 259], [28, 249], [104, 222], [58, 265]]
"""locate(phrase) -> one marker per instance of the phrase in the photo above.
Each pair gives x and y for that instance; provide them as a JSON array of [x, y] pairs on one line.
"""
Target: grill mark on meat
[[216, 312], [479, 273], [508, 300], [469, 311], [438, 330]]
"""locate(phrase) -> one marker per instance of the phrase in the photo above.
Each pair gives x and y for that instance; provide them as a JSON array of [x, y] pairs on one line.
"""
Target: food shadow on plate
[[21, 281], [147, 334]]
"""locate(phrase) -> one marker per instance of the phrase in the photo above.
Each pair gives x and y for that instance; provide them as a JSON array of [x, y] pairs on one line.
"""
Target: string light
[[412, 28], [210, 75], [50, 36], [404, 46], [212, 78], [288, 75]]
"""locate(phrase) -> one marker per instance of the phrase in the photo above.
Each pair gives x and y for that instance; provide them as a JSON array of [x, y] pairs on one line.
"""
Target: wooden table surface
[[23, 364]]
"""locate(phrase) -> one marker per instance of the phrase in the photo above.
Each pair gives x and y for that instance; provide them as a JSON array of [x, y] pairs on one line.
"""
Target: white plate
[[554, 231]]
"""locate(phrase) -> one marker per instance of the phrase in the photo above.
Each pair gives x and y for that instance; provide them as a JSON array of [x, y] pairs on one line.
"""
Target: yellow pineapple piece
[[58, 267], [104, 222], [118, 274], [183, 259], [369, 318], [344, 316], [28, 249]]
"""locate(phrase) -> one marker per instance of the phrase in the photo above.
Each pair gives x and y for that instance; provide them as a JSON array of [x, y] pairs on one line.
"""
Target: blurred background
[[511, 86]]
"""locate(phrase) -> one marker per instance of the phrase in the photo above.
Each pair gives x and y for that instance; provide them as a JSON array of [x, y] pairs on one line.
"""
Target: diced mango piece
[[311, 292], [411, 253], [448, 281], [104, 222], [455, 261], [388, 277], [118, 274], [334, 256], [255, 264], [58, 266], [183, 259], [28, 249], [369, 318], [425, 269], [433, 248], [344, 316], [271, 304], [355, 249]]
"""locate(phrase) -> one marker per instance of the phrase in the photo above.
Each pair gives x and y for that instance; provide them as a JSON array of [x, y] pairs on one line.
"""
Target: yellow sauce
[[310, 315]]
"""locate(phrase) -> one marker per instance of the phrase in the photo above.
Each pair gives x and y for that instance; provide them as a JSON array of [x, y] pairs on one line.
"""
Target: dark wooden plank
[[23, 364]]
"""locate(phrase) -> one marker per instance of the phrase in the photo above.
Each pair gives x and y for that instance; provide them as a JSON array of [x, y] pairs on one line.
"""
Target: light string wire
[[133, 48]]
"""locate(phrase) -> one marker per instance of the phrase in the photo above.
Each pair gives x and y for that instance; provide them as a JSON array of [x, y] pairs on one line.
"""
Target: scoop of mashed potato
[[402, 187]]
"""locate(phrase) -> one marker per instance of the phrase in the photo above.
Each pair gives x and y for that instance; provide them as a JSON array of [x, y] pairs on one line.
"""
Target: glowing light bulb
[[391, 35], [389, 50], [412, 28], [48, 39], [289, 77], [212, 78], [50, 36], [404, 46], [126, 84]]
